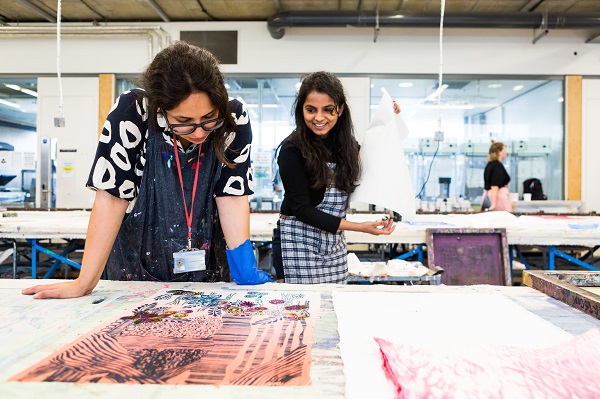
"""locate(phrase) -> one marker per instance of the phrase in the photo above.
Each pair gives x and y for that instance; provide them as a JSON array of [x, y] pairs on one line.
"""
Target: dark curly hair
[[345, 152], [181, 70]]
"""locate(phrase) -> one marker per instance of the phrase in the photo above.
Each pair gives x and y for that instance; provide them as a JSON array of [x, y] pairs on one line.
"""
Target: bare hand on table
[[67, 289]]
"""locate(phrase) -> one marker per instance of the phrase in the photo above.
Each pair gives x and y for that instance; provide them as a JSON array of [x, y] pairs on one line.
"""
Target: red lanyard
[[188, 215]]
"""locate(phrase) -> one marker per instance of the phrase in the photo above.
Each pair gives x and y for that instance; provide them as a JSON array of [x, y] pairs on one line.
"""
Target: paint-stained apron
[[156, 227], [311, 255]]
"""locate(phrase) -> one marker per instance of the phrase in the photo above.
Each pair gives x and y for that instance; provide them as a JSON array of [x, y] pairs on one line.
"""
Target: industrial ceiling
[[279, 14], [13, 12]]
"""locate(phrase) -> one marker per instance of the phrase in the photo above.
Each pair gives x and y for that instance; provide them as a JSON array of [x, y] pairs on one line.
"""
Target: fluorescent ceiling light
[[405, 84], [227, 86], [21, 89], [561, 99], [436, 93], [10, 104], [495, 85], [30, 92], [518, 87]]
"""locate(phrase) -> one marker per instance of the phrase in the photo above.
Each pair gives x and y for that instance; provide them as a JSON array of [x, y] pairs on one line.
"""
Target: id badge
[[189, 260]]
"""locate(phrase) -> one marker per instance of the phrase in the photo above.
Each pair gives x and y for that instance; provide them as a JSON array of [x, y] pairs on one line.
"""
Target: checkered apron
[[311, 255]]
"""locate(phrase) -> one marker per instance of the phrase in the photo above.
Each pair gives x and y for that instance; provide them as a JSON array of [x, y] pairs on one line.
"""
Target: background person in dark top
[[496, 196], [319, 166], [173, 153]]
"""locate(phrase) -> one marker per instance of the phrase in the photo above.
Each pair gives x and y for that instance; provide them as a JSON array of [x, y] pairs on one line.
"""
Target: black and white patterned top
[[121, 152]]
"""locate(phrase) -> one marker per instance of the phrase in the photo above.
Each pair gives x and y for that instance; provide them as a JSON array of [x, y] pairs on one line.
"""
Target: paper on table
[[429, 320], [385, 179]]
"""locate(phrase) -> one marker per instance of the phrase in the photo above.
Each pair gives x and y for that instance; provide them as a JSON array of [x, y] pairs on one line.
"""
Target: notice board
[[470, 256]]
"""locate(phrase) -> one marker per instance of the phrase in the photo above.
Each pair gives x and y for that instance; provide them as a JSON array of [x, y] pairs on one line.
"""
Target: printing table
[[33, 329], [550, 231]]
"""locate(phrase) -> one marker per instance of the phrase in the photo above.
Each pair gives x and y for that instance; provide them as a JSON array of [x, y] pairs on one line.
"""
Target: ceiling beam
[[92, 10], [158, 10], [402, 5], [37, 10], [277, 5], [531, 5]]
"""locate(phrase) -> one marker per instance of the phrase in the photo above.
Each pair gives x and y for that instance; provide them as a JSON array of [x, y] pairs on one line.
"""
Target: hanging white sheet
[[385, 179]]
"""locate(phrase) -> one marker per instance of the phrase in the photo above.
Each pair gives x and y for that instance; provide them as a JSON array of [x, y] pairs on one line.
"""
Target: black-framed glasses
[[183, 129]]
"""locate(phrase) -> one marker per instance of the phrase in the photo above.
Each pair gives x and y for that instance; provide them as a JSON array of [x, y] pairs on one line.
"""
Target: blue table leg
[[59, 258], [417, 251], [552, 252]]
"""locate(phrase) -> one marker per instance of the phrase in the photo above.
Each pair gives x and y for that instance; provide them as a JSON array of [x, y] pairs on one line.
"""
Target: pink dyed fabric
[[568, 370]]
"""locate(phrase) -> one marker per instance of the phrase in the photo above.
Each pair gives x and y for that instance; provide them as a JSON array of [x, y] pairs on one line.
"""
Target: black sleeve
[[297, 191], [120, 155], [496, 175], [237, 181]]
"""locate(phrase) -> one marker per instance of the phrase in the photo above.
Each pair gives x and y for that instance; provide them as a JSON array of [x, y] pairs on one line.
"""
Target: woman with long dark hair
[[319, 166]]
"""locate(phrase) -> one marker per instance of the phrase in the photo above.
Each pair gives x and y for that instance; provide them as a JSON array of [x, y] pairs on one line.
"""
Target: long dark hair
[[345, 147], [181, 70]]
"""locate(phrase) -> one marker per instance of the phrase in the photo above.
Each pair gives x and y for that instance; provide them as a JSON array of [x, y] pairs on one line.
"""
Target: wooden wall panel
[[573, 137], [106, 99]]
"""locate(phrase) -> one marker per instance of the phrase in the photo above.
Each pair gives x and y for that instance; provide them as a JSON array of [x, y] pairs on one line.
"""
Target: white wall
[[339, 50], [76, 141], [590, 161], [349, 52]]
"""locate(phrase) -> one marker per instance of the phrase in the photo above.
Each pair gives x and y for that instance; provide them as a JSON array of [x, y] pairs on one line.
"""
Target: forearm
[[379, 227], [105, 222], [234, 214], [351, 226]]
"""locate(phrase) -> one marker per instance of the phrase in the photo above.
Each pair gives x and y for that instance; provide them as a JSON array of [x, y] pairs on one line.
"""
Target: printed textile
[[223, 337], [567, 370]]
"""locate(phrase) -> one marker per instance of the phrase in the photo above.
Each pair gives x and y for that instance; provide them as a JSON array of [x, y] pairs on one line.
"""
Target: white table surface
[[33, 329], [522, 230]]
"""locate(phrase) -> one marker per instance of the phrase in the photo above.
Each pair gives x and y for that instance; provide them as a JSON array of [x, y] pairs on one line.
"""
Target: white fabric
[[427, 319], [385, 179]]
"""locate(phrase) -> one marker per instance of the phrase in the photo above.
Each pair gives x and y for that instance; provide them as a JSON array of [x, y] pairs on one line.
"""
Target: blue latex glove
[[243, 268]]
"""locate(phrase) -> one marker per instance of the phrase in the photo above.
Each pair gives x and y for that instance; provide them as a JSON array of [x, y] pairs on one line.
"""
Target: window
[[526, 115], [270, 105]]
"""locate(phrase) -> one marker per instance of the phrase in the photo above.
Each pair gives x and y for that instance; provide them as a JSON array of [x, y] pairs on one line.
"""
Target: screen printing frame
[[470, 255], [564, 285]]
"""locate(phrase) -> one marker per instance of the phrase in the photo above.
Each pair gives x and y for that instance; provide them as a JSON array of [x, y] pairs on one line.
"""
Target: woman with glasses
[[319, 166], [172, 177]]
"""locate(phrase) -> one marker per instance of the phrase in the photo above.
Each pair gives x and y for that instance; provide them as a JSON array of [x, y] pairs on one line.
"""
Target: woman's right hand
[[68, 289], [381, 227]]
